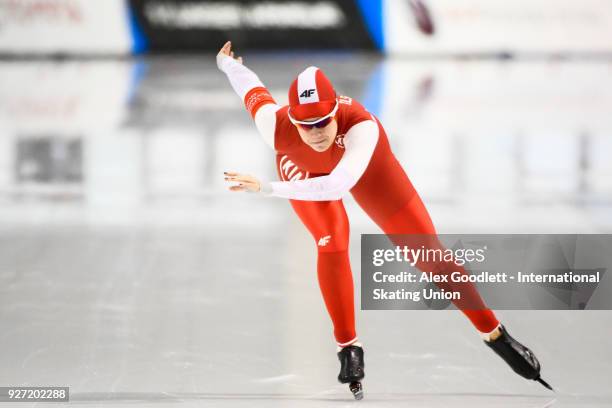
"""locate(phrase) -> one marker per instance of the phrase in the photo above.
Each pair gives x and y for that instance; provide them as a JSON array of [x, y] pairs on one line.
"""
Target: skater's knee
[[331, 242], [411, 218]]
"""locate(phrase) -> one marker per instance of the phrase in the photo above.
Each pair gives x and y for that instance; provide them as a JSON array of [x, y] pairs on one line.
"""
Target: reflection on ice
[[510, 146]]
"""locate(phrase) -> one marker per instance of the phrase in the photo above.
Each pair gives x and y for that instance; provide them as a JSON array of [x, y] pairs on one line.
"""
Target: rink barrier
[[174, 25], [467, 27]]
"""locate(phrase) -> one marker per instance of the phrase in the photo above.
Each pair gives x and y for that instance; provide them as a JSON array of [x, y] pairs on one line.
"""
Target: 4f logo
[[307, 93], [324, 240]]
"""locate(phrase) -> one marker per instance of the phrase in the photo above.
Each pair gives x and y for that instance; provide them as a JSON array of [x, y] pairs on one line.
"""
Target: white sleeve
[[265, 120], [241, 78], [360, 142]]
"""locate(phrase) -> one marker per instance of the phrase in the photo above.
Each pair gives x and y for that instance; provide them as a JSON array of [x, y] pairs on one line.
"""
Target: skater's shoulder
[[282, 117], [350, 113]]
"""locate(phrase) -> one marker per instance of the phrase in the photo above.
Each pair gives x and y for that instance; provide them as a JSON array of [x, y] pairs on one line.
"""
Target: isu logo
[[289, 171], [340, 141], [324, 240]]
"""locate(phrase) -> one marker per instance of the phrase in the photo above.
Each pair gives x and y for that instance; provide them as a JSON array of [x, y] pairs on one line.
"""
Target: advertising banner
[[497, 26], [64, 26], [173, 25]]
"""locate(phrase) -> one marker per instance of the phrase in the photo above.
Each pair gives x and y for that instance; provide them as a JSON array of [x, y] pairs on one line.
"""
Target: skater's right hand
[[226, 54], [245, 182]]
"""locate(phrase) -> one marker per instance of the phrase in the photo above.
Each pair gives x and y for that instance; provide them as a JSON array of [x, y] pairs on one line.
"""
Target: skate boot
[[519, 358], [351, 369]]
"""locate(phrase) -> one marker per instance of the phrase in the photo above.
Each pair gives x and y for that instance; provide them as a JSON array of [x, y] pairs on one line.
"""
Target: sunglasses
[[320, 124]]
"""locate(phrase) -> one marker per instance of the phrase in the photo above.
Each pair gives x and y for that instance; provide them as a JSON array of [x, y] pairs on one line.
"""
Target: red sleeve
[[256, 98]]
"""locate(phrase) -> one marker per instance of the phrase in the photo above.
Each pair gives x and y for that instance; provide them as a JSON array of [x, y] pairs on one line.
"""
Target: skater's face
[[320, 136]]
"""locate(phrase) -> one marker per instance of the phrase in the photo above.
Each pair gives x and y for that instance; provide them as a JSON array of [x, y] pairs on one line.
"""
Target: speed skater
[[327, 146]]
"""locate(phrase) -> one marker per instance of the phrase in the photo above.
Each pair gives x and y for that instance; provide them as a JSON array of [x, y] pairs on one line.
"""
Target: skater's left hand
[[245, 182], [226, 53]]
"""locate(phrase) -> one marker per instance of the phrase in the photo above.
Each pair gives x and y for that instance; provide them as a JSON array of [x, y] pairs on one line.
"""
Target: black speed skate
[[351, 369], [519, 358]]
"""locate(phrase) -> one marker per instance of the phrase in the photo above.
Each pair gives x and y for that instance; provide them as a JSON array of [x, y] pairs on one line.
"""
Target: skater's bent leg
[[328, 223], [413, 218]]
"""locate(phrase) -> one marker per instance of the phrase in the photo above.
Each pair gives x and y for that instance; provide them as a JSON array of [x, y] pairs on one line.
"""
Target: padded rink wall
[[120, 27], [35, 27], [498, 26]]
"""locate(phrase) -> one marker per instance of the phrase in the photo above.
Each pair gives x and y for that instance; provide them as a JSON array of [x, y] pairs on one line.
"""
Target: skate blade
[[357, 390], [544, 383]]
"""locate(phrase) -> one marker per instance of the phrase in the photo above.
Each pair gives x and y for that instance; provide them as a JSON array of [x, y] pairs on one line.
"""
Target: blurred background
[[131, 274]]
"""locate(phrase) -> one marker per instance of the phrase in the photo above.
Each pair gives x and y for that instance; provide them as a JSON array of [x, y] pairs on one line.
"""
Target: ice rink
[[129, 273]]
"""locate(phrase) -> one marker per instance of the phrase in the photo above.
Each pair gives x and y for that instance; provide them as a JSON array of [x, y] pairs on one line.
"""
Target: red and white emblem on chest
[[289, 171], [340, 140]]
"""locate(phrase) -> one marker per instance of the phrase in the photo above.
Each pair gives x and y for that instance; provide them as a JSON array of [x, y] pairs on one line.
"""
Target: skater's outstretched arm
[[247, 85], [360, 142]]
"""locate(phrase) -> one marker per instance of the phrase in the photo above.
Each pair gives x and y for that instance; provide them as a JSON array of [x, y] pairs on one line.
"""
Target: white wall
[[482, 26], [64, 26]]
